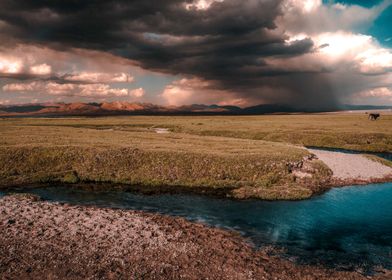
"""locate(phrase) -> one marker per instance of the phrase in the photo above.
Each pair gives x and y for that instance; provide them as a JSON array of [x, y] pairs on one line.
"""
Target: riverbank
[[131, 153], [251, 168], [240, 177], [354, 168], [62, 241]]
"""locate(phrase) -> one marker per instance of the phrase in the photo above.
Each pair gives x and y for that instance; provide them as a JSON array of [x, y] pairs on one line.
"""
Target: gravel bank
[[352, 166], [58, 241]]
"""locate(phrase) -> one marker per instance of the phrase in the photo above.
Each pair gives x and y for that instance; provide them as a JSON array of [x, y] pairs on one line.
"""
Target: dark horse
[[374, 116]]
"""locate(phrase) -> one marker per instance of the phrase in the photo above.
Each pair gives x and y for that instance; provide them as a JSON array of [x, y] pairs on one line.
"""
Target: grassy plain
[[350, 131], [249, 156]]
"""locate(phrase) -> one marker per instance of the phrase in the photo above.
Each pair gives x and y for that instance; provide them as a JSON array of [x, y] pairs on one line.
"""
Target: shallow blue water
[[345, 227]]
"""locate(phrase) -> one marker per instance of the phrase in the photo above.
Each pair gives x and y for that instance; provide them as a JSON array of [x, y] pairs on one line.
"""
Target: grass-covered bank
[[250, 168], [248, 156], [255, 177]]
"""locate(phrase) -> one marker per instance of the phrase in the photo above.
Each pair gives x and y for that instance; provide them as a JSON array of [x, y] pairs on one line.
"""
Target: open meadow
[[241, 156]]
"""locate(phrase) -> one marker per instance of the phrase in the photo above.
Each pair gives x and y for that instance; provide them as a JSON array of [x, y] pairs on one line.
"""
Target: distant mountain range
[[127, 108]]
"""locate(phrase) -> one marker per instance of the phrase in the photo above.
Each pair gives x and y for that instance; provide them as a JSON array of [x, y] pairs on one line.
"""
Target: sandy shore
[[352, 166], [58, 241]]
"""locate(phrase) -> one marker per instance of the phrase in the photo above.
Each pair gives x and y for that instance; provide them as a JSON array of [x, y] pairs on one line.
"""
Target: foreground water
[[347, 227]]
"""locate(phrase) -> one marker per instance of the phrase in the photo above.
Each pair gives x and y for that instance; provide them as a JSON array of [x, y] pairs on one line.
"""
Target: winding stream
[[347, 227]]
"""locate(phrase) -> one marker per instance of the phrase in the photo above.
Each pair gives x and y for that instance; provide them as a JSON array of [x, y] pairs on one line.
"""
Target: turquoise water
[[347, 227]]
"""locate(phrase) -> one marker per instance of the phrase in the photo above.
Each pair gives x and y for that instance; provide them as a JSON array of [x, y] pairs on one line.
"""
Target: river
[[344, 227]]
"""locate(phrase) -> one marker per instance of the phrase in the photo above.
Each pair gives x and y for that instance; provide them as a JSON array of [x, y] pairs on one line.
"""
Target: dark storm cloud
[[226, 43], [110, 24]]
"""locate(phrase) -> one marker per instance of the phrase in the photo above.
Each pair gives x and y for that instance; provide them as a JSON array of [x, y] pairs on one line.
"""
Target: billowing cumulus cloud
[[81, 90], [298, 52], [41, 69], [312, 17], [351, 63], [28, 61], [10, 66], [336, 51], [64, 74]]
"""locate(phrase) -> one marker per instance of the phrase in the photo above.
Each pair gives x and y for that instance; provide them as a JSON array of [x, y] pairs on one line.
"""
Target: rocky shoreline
[[57, 241]]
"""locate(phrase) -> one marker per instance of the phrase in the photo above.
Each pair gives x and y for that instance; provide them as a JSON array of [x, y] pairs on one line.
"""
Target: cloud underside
[[293, 52]]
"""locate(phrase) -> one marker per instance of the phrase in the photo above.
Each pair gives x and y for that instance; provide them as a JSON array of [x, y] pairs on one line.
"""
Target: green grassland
[[247, 156]]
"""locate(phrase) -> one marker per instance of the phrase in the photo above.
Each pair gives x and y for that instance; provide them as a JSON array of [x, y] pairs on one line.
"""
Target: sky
[[310, 54]]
